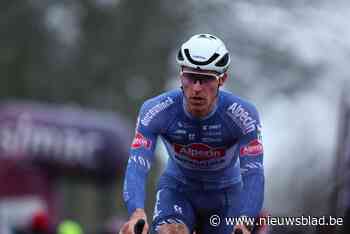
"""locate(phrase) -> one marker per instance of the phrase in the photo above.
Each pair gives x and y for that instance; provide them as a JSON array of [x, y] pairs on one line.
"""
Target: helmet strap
[[217, 91], [183, 92]]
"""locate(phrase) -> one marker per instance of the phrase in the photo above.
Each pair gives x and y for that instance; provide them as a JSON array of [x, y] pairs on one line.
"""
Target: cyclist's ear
[[223, 79]]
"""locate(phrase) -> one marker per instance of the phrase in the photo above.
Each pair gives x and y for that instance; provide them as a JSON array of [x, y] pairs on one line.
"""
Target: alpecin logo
[[253, 148], [242, 118], [199, 151], [140, 141]]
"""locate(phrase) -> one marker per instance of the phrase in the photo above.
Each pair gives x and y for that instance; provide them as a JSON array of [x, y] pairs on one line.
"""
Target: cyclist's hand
[[128, 227], [242, 228]]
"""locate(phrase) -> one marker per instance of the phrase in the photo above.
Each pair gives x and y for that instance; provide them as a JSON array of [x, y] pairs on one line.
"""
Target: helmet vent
[[207, 36], [210, 60], [180, 57], [223, 61]]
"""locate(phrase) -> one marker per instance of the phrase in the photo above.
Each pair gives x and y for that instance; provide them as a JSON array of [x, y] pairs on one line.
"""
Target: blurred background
[[73, 75]]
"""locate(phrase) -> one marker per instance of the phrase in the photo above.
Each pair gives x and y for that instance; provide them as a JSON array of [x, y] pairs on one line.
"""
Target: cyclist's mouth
[[197, 101]]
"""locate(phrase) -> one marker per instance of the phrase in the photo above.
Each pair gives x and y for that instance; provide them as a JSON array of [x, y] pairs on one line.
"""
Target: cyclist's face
[[200, 89]]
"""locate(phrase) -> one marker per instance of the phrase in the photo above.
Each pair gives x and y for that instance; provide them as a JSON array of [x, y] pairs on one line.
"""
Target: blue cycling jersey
[[215, 152]]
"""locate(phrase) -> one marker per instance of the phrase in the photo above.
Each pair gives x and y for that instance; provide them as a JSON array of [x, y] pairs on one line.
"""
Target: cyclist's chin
[[198, 109]]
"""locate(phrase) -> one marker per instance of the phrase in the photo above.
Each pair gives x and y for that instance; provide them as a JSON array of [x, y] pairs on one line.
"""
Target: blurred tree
[[107, 54], [22, 49]]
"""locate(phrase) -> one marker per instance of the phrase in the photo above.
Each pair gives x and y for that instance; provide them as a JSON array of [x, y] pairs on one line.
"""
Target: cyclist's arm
[[251, 161], [139, 164]]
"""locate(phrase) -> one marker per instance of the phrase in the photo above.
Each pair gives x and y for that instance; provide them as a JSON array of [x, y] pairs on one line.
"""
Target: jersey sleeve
[[141, 156], [251, 152]]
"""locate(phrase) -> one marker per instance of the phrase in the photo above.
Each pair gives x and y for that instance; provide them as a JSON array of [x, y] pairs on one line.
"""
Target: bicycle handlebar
[[138, 228]]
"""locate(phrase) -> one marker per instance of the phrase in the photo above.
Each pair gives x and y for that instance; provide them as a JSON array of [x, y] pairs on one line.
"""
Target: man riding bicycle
[[213, 138]]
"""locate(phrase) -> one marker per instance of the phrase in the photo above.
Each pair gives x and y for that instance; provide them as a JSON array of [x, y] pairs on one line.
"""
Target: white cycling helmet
[[206, 52]]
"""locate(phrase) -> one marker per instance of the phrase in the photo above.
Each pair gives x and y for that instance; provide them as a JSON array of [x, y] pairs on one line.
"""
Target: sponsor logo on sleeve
[[141, 161], [140, 141], [151, 113], [253, 148], [242, 118]]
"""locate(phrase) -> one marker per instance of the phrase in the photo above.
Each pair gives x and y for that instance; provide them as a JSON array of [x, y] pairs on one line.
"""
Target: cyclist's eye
[[202, 78], [205, 81]]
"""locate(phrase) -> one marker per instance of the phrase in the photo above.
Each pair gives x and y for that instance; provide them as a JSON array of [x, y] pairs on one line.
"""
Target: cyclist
[[213, 138]]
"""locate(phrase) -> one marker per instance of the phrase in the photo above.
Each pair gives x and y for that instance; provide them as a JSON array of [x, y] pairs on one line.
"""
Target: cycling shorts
[[198, 209]]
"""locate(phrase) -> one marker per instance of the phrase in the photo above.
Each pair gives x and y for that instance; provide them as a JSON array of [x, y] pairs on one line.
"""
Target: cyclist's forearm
[[139, 213], [134, 187], [253, 193]]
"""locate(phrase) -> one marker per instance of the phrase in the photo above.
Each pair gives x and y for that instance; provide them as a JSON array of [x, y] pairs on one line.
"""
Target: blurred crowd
[[40, 223]]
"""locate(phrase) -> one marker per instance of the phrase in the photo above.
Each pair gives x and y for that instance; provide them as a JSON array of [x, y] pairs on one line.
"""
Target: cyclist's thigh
[[214, 219], [172, 207]]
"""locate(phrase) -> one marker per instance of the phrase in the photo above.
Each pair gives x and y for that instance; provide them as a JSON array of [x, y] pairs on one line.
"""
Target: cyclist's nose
[[197, 86]]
